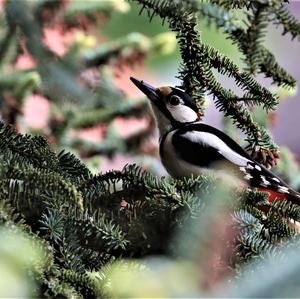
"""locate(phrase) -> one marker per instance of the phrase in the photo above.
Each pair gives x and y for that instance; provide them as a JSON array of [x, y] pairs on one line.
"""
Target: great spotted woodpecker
[[190, 147]]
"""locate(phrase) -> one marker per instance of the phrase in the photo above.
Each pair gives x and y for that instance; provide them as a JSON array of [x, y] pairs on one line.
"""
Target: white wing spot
[[283, 189], [249, 166], [264, 180], [248, 176], [257, 167], [276, 180], [243, 169]]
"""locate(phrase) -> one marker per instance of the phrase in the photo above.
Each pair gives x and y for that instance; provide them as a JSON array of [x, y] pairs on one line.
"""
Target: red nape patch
[[273, 194]]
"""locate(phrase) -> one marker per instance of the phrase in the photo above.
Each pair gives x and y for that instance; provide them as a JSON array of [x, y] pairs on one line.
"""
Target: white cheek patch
[[182, 113]]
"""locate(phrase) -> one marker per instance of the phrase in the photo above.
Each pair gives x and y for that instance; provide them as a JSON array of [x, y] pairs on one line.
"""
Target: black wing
[[206, 150], [200, 127], [203, 145], [196, 153]]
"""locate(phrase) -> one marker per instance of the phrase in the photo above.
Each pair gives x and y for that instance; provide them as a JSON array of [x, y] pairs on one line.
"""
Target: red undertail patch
[[273, 194]]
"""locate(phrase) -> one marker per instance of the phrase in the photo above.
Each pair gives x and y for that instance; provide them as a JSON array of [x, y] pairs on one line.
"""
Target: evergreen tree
[[69, 232]]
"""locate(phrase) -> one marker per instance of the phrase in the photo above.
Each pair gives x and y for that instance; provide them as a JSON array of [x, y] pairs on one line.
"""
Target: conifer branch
[[125, 213], [91, 8], [106, 115], [252, 247], [5, 42], [82, 282], [286, 209], [233, 3], [288, 21], [258, 22], [272, 69], [29, 148], [80, 222], [73, 168], [247, 4], [197, 74], [267, 63]]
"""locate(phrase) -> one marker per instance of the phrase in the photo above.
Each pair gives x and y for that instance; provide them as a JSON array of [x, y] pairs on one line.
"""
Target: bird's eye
[[174, 100]]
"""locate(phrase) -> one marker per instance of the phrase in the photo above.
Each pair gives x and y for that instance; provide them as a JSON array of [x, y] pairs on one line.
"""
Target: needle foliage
[[68, 232], [199, 59]]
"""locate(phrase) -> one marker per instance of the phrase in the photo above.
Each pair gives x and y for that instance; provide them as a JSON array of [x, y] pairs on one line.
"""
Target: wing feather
[[203, 145]]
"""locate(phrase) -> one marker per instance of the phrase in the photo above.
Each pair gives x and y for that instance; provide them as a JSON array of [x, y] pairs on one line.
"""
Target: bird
[[189, 147]]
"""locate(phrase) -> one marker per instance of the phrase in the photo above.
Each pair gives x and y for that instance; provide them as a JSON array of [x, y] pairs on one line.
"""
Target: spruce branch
[[252, 247], [132, 47], [5, 42], [233, 3], [82, 222], [258, 21], [18, 15], [29, 148], [100, 234], [89, 9], [246, 222], [286, 209], [9, 216], [106, 115], [288, 21], [197, 74], [277, 228], [125, 213], [133, 175], [72, 167], [58, 82], [248, 4], [52, 224], [26, 189], [81, 282], [267, 62], [57, 288], [230, 24]]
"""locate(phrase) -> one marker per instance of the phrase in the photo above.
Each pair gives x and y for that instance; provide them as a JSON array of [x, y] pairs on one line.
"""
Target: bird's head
[[172, 107]]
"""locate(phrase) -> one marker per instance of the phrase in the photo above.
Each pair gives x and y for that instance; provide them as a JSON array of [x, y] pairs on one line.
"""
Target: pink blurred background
[[286, 130]]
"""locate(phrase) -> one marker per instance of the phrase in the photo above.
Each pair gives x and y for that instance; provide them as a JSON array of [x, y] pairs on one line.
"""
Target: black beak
[[151, 92]]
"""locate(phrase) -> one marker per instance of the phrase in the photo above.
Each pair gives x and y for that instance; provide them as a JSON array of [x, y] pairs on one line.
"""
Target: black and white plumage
[[190, 147]]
